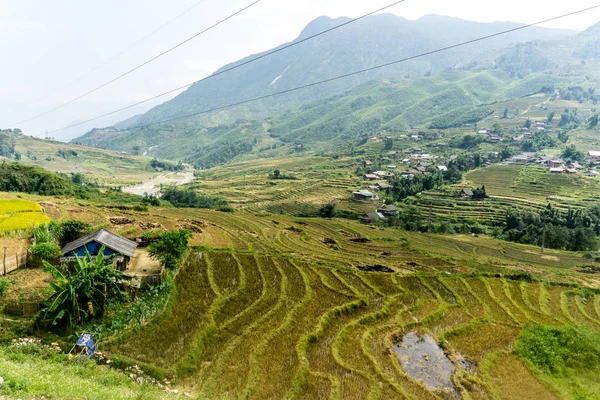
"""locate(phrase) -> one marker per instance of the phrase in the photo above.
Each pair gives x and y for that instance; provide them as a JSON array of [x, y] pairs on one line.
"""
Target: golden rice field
[[18, 215]]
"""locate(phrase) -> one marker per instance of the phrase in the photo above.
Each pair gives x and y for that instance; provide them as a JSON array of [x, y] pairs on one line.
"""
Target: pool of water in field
[[422, 359]]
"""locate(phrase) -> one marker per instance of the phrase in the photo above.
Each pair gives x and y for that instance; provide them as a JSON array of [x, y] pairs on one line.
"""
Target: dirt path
[[153, 185]]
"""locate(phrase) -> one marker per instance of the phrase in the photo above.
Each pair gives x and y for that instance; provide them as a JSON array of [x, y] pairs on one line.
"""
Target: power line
[[235, 66], [142, 64], [97, 67], [358, 72]]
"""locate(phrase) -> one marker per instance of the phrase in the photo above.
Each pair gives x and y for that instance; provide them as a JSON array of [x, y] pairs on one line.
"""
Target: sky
[[54, 51]]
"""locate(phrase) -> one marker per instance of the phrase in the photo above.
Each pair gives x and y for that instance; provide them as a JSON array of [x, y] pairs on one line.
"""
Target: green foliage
[[66, 153], [166, 166], [552, 228], [46, 251], [538, 142], [4, 285], [122, 316], [192, 199], [562, 136], [82, 292], [71, 230], [170, 247], [7, 145], [327, 211], [15, 177], [569, 119], [278, 175], [572, 154], [151, 200], [551, 116], [560, 350]]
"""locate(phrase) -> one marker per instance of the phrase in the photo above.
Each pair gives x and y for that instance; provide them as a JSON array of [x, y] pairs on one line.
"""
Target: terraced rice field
[[18, 215], [246, 325], [535, 184]]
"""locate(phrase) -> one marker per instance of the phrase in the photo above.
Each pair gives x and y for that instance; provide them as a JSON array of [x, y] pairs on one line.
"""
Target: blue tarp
[[86, 340]]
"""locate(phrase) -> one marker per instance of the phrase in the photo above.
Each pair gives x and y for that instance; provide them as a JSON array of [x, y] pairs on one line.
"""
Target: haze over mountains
[[366, 43]]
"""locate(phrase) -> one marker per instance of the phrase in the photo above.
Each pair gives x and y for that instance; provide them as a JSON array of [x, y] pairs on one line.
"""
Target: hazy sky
[[47, 45]]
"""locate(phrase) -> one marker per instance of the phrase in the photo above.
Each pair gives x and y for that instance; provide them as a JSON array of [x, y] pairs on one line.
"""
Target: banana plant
[[82, 291]]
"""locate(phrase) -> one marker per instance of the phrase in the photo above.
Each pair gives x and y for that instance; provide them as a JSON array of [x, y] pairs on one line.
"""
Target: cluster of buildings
[[557, 165]]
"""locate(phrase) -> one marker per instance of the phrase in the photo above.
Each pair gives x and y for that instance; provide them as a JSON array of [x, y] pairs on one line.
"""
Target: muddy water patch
[[423, 360]]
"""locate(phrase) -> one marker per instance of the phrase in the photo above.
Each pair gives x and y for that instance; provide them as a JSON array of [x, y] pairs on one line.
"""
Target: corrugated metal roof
[[108, 239]]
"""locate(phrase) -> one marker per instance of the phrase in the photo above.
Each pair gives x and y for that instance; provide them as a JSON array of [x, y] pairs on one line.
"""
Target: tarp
[[86, 340]]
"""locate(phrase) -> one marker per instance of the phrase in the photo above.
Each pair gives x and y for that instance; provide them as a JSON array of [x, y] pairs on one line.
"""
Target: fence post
[[5, 261], [17, 257]]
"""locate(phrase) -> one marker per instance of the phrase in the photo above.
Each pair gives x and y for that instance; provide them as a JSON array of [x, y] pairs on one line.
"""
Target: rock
[[140, 380], [1, 382], [175, 391]]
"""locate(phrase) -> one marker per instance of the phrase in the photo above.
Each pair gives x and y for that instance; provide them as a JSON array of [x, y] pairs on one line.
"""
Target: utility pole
[[5, 260]]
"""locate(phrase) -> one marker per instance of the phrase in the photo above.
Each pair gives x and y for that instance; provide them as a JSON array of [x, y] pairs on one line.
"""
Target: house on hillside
[[466, 194], [364, 195], [369, 218], [389, 210], [555, 163], [382, 186], [370, 177], [442, 168], [592, 174], [121, 250], [571, 171], [593, 155], [575, 165], [556, 170]]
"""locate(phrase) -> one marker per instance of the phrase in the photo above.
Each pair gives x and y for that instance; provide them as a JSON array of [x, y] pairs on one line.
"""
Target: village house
[[466, 194], [389, 210], [442, 168], [370, 177], [364, 195], [592, 174], [571, 171], [116, 247], [382, 186], [369, 218], [593, 156], [556, 170], [575, 165], [555, 163]]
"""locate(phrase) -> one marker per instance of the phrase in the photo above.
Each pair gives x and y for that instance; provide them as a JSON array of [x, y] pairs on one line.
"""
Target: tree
[[551, 116], [497, 128], [276, 174], [563, 136], [505, 116], [17, 156], [527, 123], [137, 150], [389, 144], [593, 121], [572, 154], [170, 248], [327, 211], [81, 293]]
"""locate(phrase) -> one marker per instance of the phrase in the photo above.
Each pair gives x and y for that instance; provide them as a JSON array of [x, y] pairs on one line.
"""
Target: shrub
[[46, 251], [170, 247], [4, 284]]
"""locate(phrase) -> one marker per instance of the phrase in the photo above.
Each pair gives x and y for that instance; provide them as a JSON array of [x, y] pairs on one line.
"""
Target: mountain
[[375, 40], [219, 136]]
